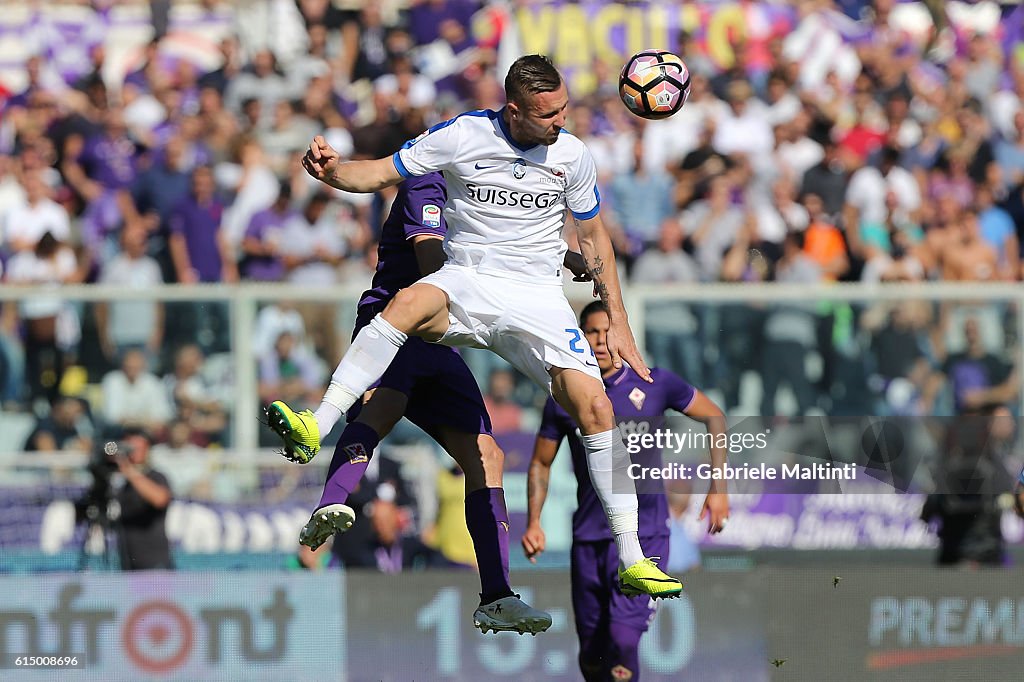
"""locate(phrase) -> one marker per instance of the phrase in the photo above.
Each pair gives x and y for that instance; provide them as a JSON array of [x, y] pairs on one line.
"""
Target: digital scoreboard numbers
[[424, 630]]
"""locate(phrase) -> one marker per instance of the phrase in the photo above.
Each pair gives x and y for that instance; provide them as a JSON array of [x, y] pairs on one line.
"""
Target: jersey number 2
[[574, 342]]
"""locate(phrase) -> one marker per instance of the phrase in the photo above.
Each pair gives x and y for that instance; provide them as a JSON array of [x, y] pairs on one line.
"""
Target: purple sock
[[487, 519], [351, 457]]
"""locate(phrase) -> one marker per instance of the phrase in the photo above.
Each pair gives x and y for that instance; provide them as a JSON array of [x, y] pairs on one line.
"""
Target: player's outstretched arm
[[716, 504], [324, 163], [544, 451], [599, 256]]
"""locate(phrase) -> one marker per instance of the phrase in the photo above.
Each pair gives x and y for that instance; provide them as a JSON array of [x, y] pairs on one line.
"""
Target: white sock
[[373, 349], [327, 415], [608, 461]]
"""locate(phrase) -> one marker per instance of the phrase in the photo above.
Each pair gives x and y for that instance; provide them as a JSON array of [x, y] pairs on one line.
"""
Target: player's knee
[[600, 413], [415, 309], [408, 308], [403, 305]]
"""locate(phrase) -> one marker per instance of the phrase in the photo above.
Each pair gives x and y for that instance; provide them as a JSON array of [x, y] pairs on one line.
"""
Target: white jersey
[[506, 204]]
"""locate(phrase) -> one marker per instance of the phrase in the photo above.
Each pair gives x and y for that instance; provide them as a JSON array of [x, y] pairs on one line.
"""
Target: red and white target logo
[[157, 636]]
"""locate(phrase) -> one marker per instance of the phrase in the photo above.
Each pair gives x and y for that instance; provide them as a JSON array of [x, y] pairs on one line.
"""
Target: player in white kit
[[511, 175]]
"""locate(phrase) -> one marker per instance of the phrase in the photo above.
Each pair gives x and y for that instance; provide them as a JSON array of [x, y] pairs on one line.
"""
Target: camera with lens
[[103, 461], [102, 465]]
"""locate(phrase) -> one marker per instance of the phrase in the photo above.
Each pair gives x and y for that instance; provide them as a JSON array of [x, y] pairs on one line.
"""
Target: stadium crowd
[[886, 159]]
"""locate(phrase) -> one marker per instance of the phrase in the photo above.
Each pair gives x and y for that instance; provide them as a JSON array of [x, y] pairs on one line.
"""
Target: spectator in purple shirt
[[100, 168], [197, 244], [262, 255], [156, 192], [427, 17]]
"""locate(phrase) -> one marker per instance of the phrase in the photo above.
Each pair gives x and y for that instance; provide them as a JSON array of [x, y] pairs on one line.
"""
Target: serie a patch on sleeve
[[431, 216]]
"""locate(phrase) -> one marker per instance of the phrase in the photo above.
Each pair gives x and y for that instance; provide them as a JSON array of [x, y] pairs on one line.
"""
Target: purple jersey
[[109, 161], [416, 210], [633, 400], [268, 227], [200, 225]]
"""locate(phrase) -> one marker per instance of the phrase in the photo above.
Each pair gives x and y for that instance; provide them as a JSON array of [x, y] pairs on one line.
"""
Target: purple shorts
[[598, 605], [439, 385]]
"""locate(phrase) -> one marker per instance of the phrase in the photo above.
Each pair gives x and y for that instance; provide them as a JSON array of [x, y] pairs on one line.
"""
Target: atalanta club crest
[[518, 169]]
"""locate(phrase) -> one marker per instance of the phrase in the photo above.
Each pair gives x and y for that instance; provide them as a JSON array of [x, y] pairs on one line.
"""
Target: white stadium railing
[[243, 301]]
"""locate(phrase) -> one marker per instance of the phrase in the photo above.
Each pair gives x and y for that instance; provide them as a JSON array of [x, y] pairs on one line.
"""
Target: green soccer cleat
[[644, 577], [298, 430]]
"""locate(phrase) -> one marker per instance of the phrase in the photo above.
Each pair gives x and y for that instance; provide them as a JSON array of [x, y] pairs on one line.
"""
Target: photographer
[[144, 497], [967, 506]]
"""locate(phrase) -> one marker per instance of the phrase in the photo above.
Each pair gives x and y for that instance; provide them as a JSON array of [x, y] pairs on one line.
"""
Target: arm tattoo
[[538, 485], [596, 270]]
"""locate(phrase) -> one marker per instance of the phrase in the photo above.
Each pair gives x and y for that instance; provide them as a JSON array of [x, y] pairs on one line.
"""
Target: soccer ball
[[654, 84]]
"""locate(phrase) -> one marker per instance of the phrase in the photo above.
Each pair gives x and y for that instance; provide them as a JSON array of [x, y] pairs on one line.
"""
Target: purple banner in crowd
[[578, 34], [65, 35], [42, 518]]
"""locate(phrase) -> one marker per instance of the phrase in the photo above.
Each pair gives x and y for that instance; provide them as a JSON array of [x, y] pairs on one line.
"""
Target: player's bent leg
[[583, 397], [487, 520], [479, 456], [382, 409], [420, 310]]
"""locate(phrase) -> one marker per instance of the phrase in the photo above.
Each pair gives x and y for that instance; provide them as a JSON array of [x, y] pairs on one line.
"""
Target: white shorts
[[531, 325]]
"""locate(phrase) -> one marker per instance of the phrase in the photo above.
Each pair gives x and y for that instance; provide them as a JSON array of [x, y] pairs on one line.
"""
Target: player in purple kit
[[430, 385], [609, 622]]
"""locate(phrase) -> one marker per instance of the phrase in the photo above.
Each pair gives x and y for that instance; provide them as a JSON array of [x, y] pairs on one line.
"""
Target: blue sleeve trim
[[444, 124], [589, 214], [399, 166]]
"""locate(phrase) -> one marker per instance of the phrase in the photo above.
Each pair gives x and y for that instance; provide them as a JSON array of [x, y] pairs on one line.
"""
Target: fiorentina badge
[[621, 673], [637, 397], [356, 453]]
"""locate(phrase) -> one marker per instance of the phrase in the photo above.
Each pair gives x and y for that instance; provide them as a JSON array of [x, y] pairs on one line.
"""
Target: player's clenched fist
[[321, 159], [534, 542]]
